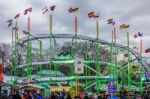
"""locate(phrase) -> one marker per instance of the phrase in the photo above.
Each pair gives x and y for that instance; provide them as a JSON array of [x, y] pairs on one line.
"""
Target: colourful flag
[[72, 10], [147, 50], [52, 8], [96, 16], [28, 10], [135, 47], [124, 26], [139, 34], [91, 14], [111, 21], [44, 10], [10, 22], [17, 16], [25, 32]]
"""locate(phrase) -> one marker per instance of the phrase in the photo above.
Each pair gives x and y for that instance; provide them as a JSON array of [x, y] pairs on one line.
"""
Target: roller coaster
[[57, 60]]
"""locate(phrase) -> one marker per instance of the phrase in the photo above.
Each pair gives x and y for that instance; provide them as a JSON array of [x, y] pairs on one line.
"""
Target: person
[[39, 96], [17, 95], [52, 96], [10, 95], [86, 96], [27, 96], [63, 93], [68, 96]]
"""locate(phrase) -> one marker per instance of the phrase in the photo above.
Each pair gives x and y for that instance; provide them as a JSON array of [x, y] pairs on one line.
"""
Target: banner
[[1, 72], [79, 66]]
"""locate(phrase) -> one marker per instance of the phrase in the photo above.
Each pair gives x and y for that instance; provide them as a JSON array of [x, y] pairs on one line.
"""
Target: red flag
[[135, 36], [52, 8], [28, 10], [44, 10], [17, 16], [147, 50], [1, 72]]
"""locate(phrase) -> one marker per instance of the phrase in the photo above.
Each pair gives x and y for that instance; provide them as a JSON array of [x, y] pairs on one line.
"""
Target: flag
[[17, 16], [110, 21], [52, 8], [72, 10], [96, 16], [135, 47], [124, 26], [10, 22], [25, 32], [28, 10], [44, 10], [139, 34], [135, 36], [91, 14], [147, 50]]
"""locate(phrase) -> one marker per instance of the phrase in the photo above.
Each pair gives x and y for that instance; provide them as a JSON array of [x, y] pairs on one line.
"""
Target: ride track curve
[[81, 37]]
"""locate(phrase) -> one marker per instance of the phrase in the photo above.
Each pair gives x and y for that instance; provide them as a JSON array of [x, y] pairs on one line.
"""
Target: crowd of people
[[67, 95]]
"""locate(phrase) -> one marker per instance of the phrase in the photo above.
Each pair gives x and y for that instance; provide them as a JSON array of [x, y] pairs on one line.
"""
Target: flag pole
[[128, 46], [141, 80], [97, 59], [76, 30], [51, 28]]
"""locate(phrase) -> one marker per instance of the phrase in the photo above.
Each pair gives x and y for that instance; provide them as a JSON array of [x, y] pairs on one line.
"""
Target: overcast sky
[[133, 12]]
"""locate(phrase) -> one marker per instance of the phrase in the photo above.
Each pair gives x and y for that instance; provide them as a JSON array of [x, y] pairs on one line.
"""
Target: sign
[[79, 66], [112, 86]]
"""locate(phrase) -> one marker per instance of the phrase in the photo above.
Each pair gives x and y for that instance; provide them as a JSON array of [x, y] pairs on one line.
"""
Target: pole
[[51, 27], [141, 80], [129, 78], [97, 58]]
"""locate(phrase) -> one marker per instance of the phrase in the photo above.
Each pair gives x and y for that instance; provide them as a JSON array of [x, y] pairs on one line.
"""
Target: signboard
[[112, 86], [79, 66]]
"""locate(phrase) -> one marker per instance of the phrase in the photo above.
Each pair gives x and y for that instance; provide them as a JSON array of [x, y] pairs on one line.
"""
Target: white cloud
[[133, 12]]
